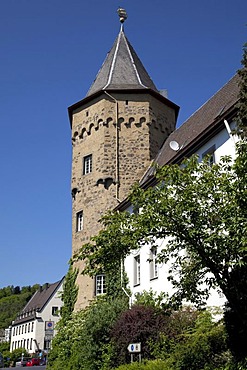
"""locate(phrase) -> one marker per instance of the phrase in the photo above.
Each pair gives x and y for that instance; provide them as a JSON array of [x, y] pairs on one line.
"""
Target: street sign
[[49, 326], [134, 347], [48, 337]]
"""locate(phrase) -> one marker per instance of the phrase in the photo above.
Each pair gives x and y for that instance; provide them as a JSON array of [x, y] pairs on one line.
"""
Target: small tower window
[[126, 102], [79, 221], [87, 164]]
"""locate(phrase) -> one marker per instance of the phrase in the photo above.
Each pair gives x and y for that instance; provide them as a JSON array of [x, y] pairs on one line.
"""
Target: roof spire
[[122, 14]]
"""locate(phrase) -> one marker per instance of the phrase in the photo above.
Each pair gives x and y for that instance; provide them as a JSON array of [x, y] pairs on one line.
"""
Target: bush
[[202, 348], [139, 324], [147, 365]]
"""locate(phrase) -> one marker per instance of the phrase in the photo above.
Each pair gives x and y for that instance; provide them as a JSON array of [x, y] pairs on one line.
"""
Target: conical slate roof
[[122, 69]]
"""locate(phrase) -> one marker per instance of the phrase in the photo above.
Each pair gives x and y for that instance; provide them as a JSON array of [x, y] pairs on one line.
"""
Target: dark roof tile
[[192, 130], [122, 69], [38, 301]]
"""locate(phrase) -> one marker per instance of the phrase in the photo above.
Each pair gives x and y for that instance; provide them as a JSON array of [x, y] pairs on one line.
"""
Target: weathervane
[[122, 14]]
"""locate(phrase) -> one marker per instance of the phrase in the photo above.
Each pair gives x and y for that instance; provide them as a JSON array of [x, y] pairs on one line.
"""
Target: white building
[[34, 327], [207, 131]]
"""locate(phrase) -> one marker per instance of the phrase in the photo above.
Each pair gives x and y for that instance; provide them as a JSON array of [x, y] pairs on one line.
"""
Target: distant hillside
[[12, 301]]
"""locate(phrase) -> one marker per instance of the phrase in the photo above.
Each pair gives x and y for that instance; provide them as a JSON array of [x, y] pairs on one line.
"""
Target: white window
[[153, 263], [100, 284], [79, 221], [137, 270], [87, 164]]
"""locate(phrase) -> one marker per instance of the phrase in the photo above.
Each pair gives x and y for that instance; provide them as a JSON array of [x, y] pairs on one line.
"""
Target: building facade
[[209, 131], [34, 327]]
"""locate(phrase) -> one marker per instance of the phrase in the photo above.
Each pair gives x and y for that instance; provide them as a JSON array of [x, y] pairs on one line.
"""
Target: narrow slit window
[[153, 263]]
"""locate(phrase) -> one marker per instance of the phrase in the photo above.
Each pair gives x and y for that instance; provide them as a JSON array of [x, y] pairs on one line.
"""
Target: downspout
[[36, 343], [117, 145]]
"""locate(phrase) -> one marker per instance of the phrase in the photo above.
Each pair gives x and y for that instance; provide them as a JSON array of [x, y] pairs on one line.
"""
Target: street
[[35, 367]]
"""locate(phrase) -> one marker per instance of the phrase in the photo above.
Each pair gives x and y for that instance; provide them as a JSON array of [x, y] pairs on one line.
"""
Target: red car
[[33, 362]]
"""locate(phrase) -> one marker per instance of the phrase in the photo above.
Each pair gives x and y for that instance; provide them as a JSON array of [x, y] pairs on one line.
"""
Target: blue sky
[[50, 53]]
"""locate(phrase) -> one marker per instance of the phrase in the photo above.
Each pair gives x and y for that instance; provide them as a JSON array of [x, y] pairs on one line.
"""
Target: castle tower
[[117, 130]]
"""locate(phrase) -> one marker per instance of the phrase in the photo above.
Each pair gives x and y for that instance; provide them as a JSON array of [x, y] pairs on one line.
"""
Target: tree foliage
[[84, 342], [201, 209], [242, 106], [69, 295], [12, 301], [188, 339], [140, 324]]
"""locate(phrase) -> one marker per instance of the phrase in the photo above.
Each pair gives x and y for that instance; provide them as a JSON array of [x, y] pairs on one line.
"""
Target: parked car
[[22, 361], [1, 361], [33, 362], [42, 361]]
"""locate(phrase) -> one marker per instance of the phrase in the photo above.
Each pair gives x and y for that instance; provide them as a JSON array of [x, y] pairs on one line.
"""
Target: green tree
[[10, 306], [67, 326], [242, 106], [69, 296], [84, 343], [200, 208]]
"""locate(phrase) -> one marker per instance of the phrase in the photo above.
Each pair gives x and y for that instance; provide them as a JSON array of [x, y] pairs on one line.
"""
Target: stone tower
[[117, 130]]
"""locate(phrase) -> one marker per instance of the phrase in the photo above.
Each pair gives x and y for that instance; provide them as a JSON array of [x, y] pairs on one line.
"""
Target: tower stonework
[[117, 130]]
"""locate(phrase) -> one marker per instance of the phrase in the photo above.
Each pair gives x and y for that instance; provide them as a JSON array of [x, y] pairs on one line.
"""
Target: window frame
[[55, 311], [87, 164], [101, 287], [137, 270], [79, 221], [153, 265]]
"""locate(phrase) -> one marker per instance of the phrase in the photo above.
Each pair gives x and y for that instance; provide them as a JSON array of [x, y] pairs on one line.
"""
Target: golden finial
[[122, 14]]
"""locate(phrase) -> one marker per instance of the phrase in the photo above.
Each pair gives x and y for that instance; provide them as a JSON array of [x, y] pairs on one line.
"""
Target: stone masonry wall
[[120, 156]]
